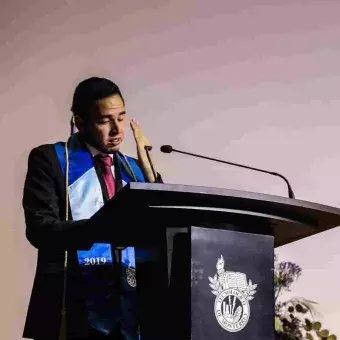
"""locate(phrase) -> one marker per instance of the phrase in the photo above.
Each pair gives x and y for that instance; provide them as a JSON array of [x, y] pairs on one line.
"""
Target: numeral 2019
[[92, 261]]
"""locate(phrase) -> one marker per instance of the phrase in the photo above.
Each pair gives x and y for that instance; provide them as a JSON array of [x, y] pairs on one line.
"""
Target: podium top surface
[[291, 219]]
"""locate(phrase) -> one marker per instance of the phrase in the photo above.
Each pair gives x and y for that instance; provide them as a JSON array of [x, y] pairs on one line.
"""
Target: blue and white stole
[[86, 198]]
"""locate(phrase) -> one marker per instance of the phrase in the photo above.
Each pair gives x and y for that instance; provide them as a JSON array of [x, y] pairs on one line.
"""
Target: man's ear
[[79, 123]]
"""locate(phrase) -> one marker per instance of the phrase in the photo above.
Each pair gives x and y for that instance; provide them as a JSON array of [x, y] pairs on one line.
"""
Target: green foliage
[[331, 337], [291, 317], [316, 326]]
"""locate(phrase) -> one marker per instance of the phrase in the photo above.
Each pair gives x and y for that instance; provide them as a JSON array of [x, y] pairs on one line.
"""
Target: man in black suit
[[95, 170]]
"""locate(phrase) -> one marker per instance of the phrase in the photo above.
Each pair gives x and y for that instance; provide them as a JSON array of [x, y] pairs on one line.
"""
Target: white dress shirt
[[94, 152]]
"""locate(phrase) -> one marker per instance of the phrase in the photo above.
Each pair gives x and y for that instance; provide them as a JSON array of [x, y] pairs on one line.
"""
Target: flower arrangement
[[294, 318]]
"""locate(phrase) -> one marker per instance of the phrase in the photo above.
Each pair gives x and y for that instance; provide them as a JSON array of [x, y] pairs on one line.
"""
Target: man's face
[[105, 129]]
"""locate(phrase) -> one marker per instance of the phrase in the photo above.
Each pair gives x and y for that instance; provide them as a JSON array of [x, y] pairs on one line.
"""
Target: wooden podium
[[205, 256]]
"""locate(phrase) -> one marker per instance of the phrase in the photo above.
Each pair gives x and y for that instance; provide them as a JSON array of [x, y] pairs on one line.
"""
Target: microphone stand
[[169, 149]]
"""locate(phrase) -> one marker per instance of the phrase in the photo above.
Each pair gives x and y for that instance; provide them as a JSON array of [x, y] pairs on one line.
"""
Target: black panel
[[249, 255]]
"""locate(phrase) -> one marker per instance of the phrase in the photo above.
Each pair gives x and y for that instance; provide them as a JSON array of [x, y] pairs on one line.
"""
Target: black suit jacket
[[47, 230]]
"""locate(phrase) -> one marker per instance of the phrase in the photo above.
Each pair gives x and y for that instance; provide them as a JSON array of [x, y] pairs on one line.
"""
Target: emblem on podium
[[233, 293], [131, 277]]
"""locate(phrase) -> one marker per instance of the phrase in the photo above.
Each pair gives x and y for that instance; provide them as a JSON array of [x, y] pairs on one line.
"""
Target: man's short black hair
[[89, 91]]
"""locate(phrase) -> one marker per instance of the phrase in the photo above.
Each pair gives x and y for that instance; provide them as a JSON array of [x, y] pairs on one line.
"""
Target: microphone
[[148, 148], [169, 149]]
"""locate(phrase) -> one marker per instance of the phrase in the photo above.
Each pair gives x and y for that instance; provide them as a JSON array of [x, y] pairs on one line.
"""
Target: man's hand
[[141, 142]]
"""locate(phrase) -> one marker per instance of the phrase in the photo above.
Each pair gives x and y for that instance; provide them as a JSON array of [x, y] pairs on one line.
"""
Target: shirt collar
[[94, 152]]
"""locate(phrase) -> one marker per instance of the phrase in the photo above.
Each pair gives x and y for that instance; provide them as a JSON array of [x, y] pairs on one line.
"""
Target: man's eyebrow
[[110, 116]]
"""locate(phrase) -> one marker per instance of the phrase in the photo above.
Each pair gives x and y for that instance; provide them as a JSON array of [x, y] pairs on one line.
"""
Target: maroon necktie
[[105, 163]]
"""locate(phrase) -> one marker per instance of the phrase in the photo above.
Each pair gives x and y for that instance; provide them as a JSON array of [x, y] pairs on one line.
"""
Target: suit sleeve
[[41, 203]]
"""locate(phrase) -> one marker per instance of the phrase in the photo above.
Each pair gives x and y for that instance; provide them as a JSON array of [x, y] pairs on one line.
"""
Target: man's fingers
[[134, 123], [135, 127], [138, 134]]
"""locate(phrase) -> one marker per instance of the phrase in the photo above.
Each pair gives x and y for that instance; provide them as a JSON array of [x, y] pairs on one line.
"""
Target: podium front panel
[[232, 295]]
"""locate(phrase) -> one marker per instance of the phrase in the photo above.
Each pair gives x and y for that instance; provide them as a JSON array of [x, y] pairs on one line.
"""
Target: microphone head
[[166, 148]]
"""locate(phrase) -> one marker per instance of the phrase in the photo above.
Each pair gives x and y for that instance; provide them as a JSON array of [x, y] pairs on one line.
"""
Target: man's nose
[[114, 128]]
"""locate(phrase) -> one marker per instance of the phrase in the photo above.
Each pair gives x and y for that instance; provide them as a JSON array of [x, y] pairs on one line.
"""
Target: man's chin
[[112, 149]]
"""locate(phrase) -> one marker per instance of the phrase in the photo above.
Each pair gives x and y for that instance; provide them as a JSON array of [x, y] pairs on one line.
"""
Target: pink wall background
[[252, 81]]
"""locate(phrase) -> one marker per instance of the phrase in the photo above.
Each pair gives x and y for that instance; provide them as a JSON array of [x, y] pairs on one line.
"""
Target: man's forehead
[[112, 102]]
